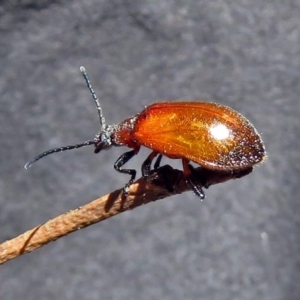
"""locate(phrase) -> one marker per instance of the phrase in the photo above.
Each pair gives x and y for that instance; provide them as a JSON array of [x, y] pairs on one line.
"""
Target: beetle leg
[[122, 160], [157, 163], [187, 170], [146, 166]]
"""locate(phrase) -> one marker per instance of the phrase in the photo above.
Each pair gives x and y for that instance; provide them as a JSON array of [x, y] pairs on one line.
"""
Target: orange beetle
[[212, 135]]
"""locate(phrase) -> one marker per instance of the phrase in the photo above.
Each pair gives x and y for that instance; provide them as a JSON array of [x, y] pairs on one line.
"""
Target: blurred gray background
[[243, 241]]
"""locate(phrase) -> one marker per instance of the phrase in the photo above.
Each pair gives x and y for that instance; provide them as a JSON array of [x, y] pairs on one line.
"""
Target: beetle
[[212, 135]]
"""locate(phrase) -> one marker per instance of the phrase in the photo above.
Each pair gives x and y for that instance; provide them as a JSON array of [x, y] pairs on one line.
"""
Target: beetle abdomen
[[212, 135]]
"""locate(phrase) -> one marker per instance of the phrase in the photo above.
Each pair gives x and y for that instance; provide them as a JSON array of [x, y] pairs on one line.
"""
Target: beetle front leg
[[122, 160]]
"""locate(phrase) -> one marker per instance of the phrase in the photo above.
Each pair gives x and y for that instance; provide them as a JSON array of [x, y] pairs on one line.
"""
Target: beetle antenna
[[89, 85], [31, 162]]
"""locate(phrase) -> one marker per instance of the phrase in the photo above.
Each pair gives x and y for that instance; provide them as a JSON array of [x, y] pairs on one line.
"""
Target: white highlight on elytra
[[219, 131]]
